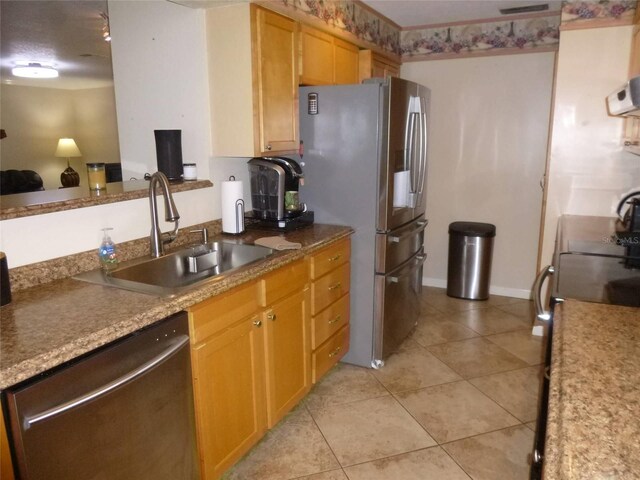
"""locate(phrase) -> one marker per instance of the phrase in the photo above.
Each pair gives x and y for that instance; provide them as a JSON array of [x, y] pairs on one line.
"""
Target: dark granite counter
[[53, 319]]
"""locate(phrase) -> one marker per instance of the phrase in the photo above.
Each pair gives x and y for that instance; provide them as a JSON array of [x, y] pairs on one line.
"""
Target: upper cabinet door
[[345, 62], [275, 63], [316, 57], [253, 81]]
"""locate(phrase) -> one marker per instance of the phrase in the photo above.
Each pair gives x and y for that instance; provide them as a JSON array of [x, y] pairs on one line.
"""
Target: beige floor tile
[[522, 344], [430, 463], [413, 369], [522, 308], [502, 301], [476, 357], [438, 298], [515, 391], [295, 447], [371, 429], [332, 475], [427, 310], [455, 410], [487, 321], [531, 426], [344, 383], [441, 331], [497, 455], [408, 344]]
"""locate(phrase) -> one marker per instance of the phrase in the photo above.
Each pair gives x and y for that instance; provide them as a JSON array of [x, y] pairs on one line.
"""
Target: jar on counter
[[97, 176], [190, 172]]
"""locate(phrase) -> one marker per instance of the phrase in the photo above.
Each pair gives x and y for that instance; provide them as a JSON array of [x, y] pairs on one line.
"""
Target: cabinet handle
[[335, 352], [271, 316], [334, 258], [334, 286], [257, 323], [630, 143], [337, 319]]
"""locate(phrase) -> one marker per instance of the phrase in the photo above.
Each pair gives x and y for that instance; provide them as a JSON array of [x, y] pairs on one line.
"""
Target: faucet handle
[[204, 232]]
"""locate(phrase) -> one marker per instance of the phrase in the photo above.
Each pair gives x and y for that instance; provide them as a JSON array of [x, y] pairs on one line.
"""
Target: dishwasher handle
[[541, 313], [175, 345]]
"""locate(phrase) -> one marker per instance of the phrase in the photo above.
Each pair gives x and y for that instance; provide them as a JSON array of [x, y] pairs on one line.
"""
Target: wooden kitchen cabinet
[[325, 59], [228, 366], [285, 296], [253, 81], [374, 65], [329, 271]]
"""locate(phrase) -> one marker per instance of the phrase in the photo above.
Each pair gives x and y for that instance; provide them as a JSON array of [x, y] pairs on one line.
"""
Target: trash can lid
[[472, 229]]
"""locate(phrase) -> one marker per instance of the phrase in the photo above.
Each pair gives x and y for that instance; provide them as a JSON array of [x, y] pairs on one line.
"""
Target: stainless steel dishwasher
[[123, 412]]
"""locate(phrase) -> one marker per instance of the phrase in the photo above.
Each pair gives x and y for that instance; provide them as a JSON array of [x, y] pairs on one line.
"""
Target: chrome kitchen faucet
[[170, 213]]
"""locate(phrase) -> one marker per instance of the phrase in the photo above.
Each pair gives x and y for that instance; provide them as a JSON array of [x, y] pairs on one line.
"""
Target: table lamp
[[67, 148]]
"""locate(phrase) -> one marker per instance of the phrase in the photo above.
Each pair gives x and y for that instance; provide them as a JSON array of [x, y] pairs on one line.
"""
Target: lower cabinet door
[[228, 374], [288, 352]]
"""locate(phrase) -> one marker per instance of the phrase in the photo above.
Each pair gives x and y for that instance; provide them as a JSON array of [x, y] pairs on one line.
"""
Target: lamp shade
[[67, 148]]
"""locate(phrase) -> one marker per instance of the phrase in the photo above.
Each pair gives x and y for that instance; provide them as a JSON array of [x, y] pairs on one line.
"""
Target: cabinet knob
[[271, 316], [334, 286], [257, 323], [268, 147]]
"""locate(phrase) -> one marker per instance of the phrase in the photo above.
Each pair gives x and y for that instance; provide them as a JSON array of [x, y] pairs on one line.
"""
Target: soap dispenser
[[107, 252]]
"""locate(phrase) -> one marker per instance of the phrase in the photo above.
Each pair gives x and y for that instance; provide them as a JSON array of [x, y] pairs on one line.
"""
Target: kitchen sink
[[178, 271]]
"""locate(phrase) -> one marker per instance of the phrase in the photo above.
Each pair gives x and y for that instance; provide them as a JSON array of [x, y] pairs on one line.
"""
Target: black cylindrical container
[[5, 286], [169, 153]]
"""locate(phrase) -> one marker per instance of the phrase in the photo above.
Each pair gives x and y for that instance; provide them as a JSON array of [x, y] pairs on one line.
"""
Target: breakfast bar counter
[[593, 427]]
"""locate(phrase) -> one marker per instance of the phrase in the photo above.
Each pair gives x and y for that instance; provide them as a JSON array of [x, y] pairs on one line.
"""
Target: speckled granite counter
[[593, 428], [47, 325]]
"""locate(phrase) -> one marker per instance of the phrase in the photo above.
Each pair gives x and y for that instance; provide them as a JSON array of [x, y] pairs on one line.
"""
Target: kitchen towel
[[232, 206], [401, 189], [278, 243]]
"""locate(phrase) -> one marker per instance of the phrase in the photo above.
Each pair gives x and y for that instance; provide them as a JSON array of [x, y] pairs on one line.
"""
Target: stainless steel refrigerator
[[365, 164]]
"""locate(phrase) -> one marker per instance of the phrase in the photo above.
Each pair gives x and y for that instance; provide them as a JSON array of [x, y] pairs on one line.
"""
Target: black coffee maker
[[275, 194]]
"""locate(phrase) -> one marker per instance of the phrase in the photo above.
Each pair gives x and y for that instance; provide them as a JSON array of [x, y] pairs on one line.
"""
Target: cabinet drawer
[[328, 289], [284, 281], [330, 353], [222, 311], [329, 321], [329, 258]]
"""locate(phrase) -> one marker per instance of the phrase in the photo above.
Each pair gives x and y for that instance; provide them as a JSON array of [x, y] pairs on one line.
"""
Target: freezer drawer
[[395, 247], [397, 306]]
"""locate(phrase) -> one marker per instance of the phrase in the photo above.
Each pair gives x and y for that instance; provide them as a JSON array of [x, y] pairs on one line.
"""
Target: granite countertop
[[593, 427], [47, 325]]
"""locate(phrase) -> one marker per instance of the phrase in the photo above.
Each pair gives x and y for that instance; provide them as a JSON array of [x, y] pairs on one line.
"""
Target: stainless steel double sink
[[178, 271]]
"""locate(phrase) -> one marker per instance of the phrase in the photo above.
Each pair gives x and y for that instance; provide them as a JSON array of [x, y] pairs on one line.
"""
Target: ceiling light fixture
[[34, 70], [525, 9]]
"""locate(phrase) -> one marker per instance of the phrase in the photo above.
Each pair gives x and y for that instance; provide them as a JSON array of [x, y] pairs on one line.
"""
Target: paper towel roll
[[232, 207], [401, 189]]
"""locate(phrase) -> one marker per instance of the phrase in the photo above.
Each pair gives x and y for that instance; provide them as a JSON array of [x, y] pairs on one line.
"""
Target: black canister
[[5, 286]]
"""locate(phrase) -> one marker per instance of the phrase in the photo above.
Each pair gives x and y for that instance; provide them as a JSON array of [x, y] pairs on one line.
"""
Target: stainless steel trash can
[[470, 254]]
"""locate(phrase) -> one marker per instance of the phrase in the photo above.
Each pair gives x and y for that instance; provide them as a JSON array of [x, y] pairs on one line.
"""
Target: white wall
[[487, 151], [588, 169]]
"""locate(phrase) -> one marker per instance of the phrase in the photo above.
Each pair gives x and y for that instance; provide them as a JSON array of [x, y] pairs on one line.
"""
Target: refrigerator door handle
[[408, 143], [423, 148], [397, 238], [421, 258]]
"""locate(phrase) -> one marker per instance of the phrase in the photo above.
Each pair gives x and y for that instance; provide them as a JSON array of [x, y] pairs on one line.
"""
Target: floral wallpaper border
[[353, 18], [577, 12], [482, 38], [521, 35]]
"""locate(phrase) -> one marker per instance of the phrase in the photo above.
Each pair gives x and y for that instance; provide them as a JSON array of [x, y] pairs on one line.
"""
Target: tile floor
[[457, 402]]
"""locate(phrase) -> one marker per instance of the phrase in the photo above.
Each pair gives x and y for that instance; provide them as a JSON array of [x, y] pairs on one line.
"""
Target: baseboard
[[493, 289]]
